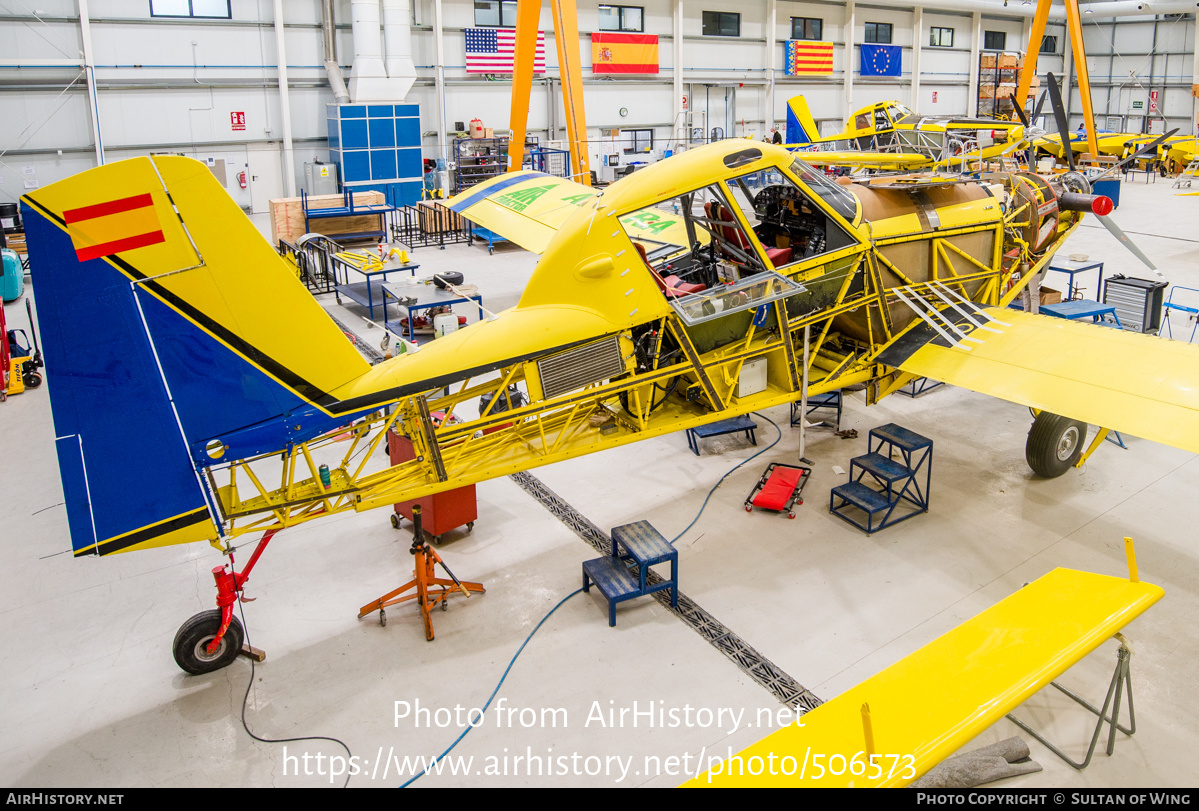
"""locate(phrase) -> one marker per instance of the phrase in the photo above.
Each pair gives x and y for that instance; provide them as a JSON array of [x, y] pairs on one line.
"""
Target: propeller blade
[[1023, 118], [1063, 124], [1119, 234], [1036, 111], [1147, 148]]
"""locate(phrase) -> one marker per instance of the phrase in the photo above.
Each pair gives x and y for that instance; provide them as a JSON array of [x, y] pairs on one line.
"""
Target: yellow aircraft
[[199, 392], [889, 136]]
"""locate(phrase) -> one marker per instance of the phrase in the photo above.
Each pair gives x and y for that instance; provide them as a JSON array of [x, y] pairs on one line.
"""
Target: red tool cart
[[440, 512]]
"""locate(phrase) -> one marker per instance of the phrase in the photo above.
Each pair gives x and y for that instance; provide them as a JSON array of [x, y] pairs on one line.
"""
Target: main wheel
[[1054, 444], [191, 643]]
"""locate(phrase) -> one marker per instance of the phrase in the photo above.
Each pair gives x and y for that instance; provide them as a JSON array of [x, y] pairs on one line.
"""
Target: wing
[[528, 208], [877, 160], [1141, 384], [525, 207]]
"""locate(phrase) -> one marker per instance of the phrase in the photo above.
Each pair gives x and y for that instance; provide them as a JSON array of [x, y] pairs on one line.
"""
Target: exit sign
[[238, 121]]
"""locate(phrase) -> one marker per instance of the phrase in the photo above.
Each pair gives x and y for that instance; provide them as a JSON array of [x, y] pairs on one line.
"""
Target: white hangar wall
[[171, 85]]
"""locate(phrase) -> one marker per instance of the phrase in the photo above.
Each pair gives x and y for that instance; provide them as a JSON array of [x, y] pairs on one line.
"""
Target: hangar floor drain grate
[[741, 653]]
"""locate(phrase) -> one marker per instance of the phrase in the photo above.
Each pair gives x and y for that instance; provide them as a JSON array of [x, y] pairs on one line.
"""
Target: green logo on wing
[[522, 198]]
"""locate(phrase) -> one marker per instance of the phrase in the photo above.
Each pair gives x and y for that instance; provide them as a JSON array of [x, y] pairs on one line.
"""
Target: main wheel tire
[[191, 643], [1054, 444]]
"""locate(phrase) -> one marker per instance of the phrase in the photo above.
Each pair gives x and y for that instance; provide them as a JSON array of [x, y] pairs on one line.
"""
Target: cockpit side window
[[881, 122]]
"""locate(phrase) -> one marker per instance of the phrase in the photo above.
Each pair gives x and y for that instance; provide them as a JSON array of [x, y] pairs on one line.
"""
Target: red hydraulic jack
[[430, 590], [212, 639]]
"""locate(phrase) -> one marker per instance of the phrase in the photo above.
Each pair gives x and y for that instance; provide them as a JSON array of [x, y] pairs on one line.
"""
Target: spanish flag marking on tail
[[118, 225]]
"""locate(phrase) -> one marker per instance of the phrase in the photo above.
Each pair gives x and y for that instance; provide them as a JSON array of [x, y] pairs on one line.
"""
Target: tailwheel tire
[[192, 639], [1054, 444]]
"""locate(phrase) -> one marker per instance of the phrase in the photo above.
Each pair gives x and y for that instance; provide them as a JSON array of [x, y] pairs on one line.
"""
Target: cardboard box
[[488, 132], [287, 216], [1050, 296]]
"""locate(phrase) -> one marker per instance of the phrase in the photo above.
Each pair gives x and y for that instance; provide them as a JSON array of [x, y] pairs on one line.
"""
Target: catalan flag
[[118, 225], [624, 53], [803, 57]]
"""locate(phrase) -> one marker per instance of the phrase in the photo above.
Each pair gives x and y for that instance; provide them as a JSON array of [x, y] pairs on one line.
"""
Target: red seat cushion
[[778, 256]]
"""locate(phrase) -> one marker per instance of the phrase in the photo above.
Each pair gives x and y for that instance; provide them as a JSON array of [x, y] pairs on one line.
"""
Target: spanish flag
[[806, 58], [624, 53], [118, 225]]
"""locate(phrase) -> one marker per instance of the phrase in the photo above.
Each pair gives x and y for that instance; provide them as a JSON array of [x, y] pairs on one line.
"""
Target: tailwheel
[[1054, 444], [195, 635]]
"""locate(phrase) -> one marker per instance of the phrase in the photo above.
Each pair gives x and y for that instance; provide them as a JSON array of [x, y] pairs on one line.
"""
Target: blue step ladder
[[892, 481], [622, 575]]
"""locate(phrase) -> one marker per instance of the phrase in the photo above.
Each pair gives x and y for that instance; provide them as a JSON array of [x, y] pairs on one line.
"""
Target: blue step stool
[[895, 481], [639, 545], [729, 426]]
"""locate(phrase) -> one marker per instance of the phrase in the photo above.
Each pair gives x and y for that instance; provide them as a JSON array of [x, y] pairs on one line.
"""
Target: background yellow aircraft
[[889, 135]]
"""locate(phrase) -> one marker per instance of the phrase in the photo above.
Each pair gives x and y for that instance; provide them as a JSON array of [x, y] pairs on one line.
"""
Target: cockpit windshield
[[738, 229], [842, 201], [899, 114]]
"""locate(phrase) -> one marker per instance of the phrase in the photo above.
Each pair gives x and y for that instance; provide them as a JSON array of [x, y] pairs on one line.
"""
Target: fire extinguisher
[[241, 179]]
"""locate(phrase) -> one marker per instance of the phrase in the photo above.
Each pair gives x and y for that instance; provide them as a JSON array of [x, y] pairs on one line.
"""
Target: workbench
[[366, 293], [1071, 269], [414, 298]]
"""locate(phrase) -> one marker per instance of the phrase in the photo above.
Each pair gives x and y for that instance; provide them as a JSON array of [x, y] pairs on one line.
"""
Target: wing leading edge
[[1139, 384]]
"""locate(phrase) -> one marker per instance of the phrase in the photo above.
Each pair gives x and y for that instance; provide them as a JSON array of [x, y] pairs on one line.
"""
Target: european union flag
[[881, 60]]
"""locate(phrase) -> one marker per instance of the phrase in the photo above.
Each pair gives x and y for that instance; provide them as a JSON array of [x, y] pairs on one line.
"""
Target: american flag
[[490, 50]]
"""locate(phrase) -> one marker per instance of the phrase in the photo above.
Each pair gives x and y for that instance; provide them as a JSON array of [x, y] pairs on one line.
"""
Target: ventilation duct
[[370, 78], [329, 29]]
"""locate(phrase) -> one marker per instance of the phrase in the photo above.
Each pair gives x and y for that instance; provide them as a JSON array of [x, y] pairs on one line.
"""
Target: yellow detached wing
[[994, 662], [525, 207], [1141, 384], [529, 207]]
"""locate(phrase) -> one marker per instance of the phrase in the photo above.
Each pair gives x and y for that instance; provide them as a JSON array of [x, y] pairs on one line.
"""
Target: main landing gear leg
[[212, 639]]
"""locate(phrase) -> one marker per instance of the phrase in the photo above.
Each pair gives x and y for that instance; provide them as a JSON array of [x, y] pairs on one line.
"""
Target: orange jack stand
[[430, 590]]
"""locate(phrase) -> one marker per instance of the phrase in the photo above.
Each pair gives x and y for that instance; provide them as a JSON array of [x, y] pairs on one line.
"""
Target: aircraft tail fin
[[168, 324], [801, 127]]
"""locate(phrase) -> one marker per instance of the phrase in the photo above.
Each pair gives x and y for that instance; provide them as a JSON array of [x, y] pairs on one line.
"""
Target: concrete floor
[[93, 697]]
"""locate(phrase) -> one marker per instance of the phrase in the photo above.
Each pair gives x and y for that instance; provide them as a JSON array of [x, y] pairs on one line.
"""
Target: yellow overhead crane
[[570, 71], [1074, 27]]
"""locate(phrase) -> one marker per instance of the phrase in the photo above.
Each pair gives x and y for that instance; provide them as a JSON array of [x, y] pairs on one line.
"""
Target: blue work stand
[[636, 545], [895, 481], [730, 426]]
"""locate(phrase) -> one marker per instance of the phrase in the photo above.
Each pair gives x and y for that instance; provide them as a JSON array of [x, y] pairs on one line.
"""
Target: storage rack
[[998, 73], [478, 159]]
